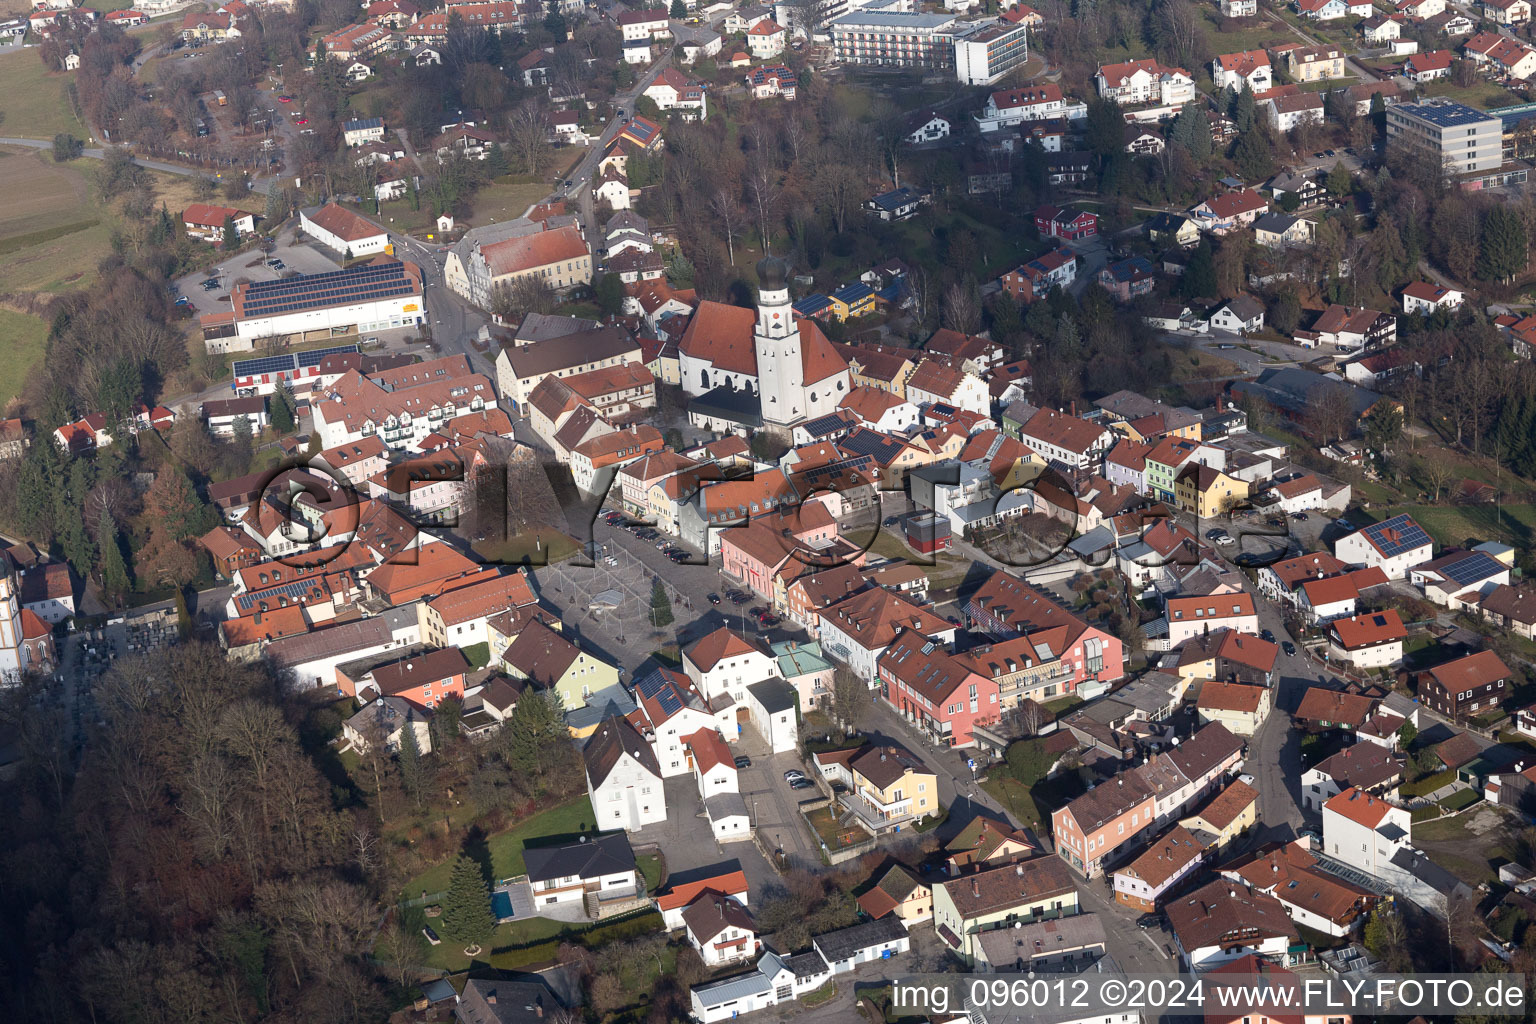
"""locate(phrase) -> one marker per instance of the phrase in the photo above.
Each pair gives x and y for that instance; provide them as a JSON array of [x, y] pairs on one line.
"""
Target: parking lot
[[300, 258]]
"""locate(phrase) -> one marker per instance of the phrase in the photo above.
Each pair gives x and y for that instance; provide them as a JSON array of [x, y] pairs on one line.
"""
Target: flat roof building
[[1463, 140]]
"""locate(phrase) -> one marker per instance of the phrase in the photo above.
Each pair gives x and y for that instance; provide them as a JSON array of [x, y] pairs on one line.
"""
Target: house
[[1365, 831], [1225, 817], [896, 205], [1316, 63], [1066, 223], [1459, 579], [1034, 280], [1321, 601], [1466, 686], [1063, 944], [1195, 616], [898, 892], [1367, 767], [1009, 107], [935, 691], [680, 895], [424, 680], [1369, 640], [1025, 892], [1308, 187], [1172, 229], [594, 871], [859, 629], [674, 90], [847, 948], [1382, 30], [1092, 829], [1426, 67], [724, 662], [1313, 897], [1286, 113], [206, 222], [1126, 279], [383, 723], [985, 842], [343, 231], [1207, 492], [1393, 546], [1425, 297], [552, 662], [1506, 12], [1223, 921], [1068, 439], [1144, 81], [889, 787], [926, 126], [503, 1000], [1231, 70], [1513, 608], [1168, 860], [361, 131], [721, 929], [1228, 656], [1229, 211], [1277, 230], [765, 40], [624, 780], [1322, 10], [1238, 706]]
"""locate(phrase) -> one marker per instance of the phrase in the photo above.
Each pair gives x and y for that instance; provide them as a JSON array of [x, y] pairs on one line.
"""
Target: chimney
[[490, 997], [976, 888], [1019, 870], [538, 1008]]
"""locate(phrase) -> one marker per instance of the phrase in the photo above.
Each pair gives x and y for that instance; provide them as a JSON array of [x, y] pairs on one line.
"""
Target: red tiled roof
[[1361, 808]]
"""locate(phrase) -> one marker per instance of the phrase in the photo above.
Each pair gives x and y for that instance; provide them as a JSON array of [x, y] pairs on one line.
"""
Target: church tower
[[11, 658], [780, 370]]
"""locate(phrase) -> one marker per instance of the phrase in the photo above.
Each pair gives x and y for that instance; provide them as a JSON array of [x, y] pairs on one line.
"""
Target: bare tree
[[961, 310], [764, 192], [849, 695], [837, 192], [1437, 467], [728, 211], [529, 134]]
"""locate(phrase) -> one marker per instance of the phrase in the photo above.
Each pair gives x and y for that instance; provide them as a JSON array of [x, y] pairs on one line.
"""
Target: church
[[26, 641], [763, 368]]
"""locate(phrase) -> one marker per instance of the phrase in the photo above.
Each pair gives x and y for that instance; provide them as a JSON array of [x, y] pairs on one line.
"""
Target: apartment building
[[1462, 140]]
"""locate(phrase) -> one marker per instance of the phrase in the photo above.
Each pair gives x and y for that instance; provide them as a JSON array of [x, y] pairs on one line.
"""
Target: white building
[[1393, 546], [374, 296], [724, 663], [1145, 81], [1365, 831], [623, 778], [338, 228]]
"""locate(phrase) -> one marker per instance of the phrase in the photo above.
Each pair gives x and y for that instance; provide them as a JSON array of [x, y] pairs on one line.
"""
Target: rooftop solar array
[[294, 591], [287, 362], [1446, 115], [356, 284], [659, 688], [1472, 569], [1396, 535]]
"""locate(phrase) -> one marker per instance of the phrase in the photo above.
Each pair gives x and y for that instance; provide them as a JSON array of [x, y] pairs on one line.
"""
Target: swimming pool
[[501, 905]]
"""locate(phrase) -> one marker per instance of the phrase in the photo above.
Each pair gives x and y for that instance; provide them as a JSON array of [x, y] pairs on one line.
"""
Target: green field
[[506, 848], [33, 99], [21, 342]]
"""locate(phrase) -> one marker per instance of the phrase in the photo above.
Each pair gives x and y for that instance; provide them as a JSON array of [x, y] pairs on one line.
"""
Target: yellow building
[[878, 366], [899, 893], [547, 659], [851, 301], [894, 783], [1315, 63], [1226, 816], [1207, 492]]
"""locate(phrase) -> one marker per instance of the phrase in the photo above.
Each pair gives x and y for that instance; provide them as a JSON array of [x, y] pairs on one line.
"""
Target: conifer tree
[[467, 907]]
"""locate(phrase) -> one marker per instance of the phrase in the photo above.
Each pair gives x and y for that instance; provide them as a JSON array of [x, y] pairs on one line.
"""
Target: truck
[[219, 95]]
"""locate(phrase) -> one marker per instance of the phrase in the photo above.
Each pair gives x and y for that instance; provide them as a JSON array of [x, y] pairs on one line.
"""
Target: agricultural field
[[49, 226], [35, 101]]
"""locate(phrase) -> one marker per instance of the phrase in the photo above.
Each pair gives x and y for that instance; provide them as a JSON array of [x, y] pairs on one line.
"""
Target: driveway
[[774, 807]]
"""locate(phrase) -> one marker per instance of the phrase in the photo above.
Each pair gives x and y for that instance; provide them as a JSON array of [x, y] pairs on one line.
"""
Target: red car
[[302, 120], [285, 99]]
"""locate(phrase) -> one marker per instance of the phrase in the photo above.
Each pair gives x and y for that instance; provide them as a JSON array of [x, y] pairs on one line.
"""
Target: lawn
[[1443, 830], [650, 866], [1062, 705], [1459, 799], [22, 338], [1428, 784], [498, 201], [939, 566], [34, 100], [1013, 795], [506, 848], [478, 655], [833, 834]]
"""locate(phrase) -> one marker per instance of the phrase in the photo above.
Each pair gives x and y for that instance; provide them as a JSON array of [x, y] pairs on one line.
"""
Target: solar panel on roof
[[265, 364], [1477, 566], [317, 356], [1396, 535]]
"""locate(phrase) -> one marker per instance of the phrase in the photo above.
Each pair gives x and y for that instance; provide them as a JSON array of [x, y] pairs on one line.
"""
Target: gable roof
[[608, 745]]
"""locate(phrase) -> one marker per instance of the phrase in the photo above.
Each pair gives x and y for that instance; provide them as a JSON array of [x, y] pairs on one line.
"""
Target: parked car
[[737, 597], [768, 621], [1344, 524], [1268, 636], [1288, 647], [743, 761], [802, 784], [891, 520], [713, 598], [793, 774], [1150, 921]]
